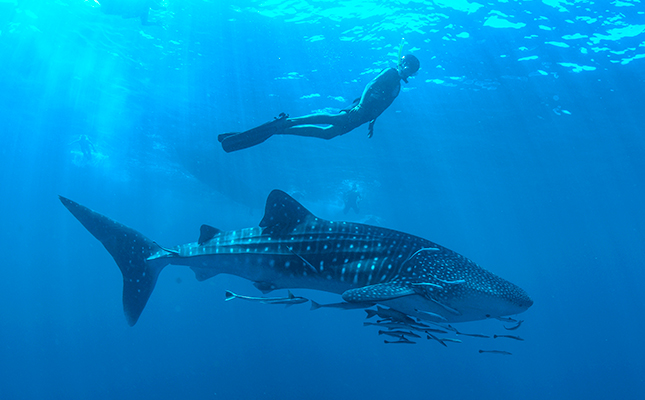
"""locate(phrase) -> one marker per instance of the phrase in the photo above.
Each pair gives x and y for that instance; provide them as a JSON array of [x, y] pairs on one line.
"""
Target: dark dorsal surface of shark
[[292, 248]]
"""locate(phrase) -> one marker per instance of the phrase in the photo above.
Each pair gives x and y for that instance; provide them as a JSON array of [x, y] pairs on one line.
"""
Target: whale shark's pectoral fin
[[206, 233], [379, 292]]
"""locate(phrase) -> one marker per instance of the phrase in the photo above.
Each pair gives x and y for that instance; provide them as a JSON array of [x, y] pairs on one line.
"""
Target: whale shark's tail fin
[[130, 250]]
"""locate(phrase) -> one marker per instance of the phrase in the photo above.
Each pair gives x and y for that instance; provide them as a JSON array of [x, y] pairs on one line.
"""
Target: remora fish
[[502, 352], [292, 248], [399, 325], [402, 340], [289, 300], [399, 334], [479, 335], [509, 337], [519, 323], [433, 337], [390, 315], [390, 325]]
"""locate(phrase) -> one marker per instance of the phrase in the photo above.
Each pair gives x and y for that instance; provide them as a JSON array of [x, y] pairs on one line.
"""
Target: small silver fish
[[397, 325], [390, 314], [431, 314], [479, 335], [516, 326], [509, 337], [417, 327], [434, 330], [506, 353], [433, 337], [388, 325], [401, 340], [399, 333], [342, 305], [289, 300]]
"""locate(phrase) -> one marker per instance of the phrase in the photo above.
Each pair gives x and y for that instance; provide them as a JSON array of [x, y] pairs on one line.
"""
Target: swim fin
[[223, 136], [241, 140]]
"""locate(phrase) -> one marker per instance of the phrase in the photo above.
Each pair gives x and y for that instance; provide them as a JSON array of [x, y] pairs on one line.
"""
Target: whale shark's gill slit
[[303, 259], [417, 252], [427, 284], [457, 282]]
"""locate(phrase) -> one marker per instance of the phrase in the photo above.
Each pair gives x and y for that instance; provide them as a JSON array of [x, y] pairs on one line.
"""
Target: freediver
[[87, 147], [376, 98], [351, 198], [132, 9]]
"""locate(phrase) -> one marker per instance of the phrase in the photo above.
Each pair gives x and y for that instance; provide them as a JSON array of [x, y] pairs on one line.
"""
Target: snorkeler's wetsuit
[[376, 98]]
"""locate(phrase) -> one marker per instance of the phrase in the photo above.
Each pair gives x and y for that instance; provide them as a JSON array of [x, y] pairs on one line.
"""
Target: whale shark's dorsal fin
[[282, 213], [206, 233]]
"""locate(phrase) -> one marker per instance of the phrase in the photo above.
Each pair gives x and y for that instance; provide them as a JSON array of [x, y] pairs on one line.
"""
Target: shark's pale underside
[[292, 248]]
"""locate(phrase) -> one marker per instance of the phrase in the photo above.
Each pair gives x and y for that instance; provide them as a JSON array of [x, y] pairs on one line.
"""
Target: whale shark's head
[[482, 294], [470, 300], [453, 288], [494, 297]]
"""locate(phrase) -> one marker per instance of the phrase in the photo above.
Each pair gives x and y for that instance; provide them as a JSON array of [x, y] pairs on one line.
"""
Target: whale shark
[[292, 248]]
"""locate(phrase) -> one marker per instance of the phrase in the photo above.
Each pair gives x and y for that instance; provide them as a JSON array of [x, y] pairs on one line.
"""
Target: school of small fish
[[393, 323]]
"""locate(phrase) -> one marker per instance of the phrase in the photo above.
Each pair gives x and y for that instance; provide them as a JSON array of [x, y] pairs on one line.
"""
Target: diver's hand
[[370, 129]]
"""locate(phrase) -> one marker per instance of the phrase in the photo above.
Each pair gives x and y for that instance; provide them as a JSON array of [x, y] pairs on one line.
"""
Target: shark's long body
[[292, 248]]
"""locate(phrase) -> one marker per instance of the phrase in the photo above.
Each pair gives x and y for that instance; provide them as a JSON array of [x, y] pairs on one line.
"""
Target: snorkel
[[399, 64]]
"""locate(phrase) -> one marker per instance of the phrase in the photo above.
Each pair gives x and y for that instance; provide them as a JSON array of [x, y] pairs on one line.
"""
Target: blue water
[[520, 144]]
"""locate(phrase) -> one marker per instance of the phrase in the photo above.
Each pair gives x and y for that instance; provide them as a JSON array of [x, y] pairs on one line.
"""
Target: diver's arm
[[385, 82], [379, 94], [370, 129], [354, 104]]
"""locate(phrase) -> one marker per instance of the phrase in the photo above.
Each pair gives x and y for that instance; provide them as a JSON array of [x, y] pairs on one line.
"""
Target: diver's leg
[[307, 126], [326, 133], [319, 119]]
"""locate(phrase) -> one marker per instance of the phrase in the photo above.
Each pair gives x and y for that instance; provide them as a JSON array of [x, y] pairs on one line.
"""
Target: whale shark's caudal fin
[[130, 250]]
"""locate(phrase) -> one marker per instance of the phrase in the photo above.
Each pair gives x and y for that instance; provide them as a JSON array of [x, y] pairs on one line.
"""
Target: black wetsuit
[[379, 94], [376, 98], [351, 201]]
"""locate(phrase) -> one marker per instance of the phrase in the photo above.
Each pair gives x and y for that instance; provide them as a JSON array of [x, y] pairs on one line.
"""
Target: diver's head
[[408, 66]]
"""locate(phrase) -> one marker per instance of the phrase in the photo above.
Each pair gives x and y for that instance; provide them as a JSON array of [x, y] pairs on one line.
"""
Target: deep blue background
[[532, 168]]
